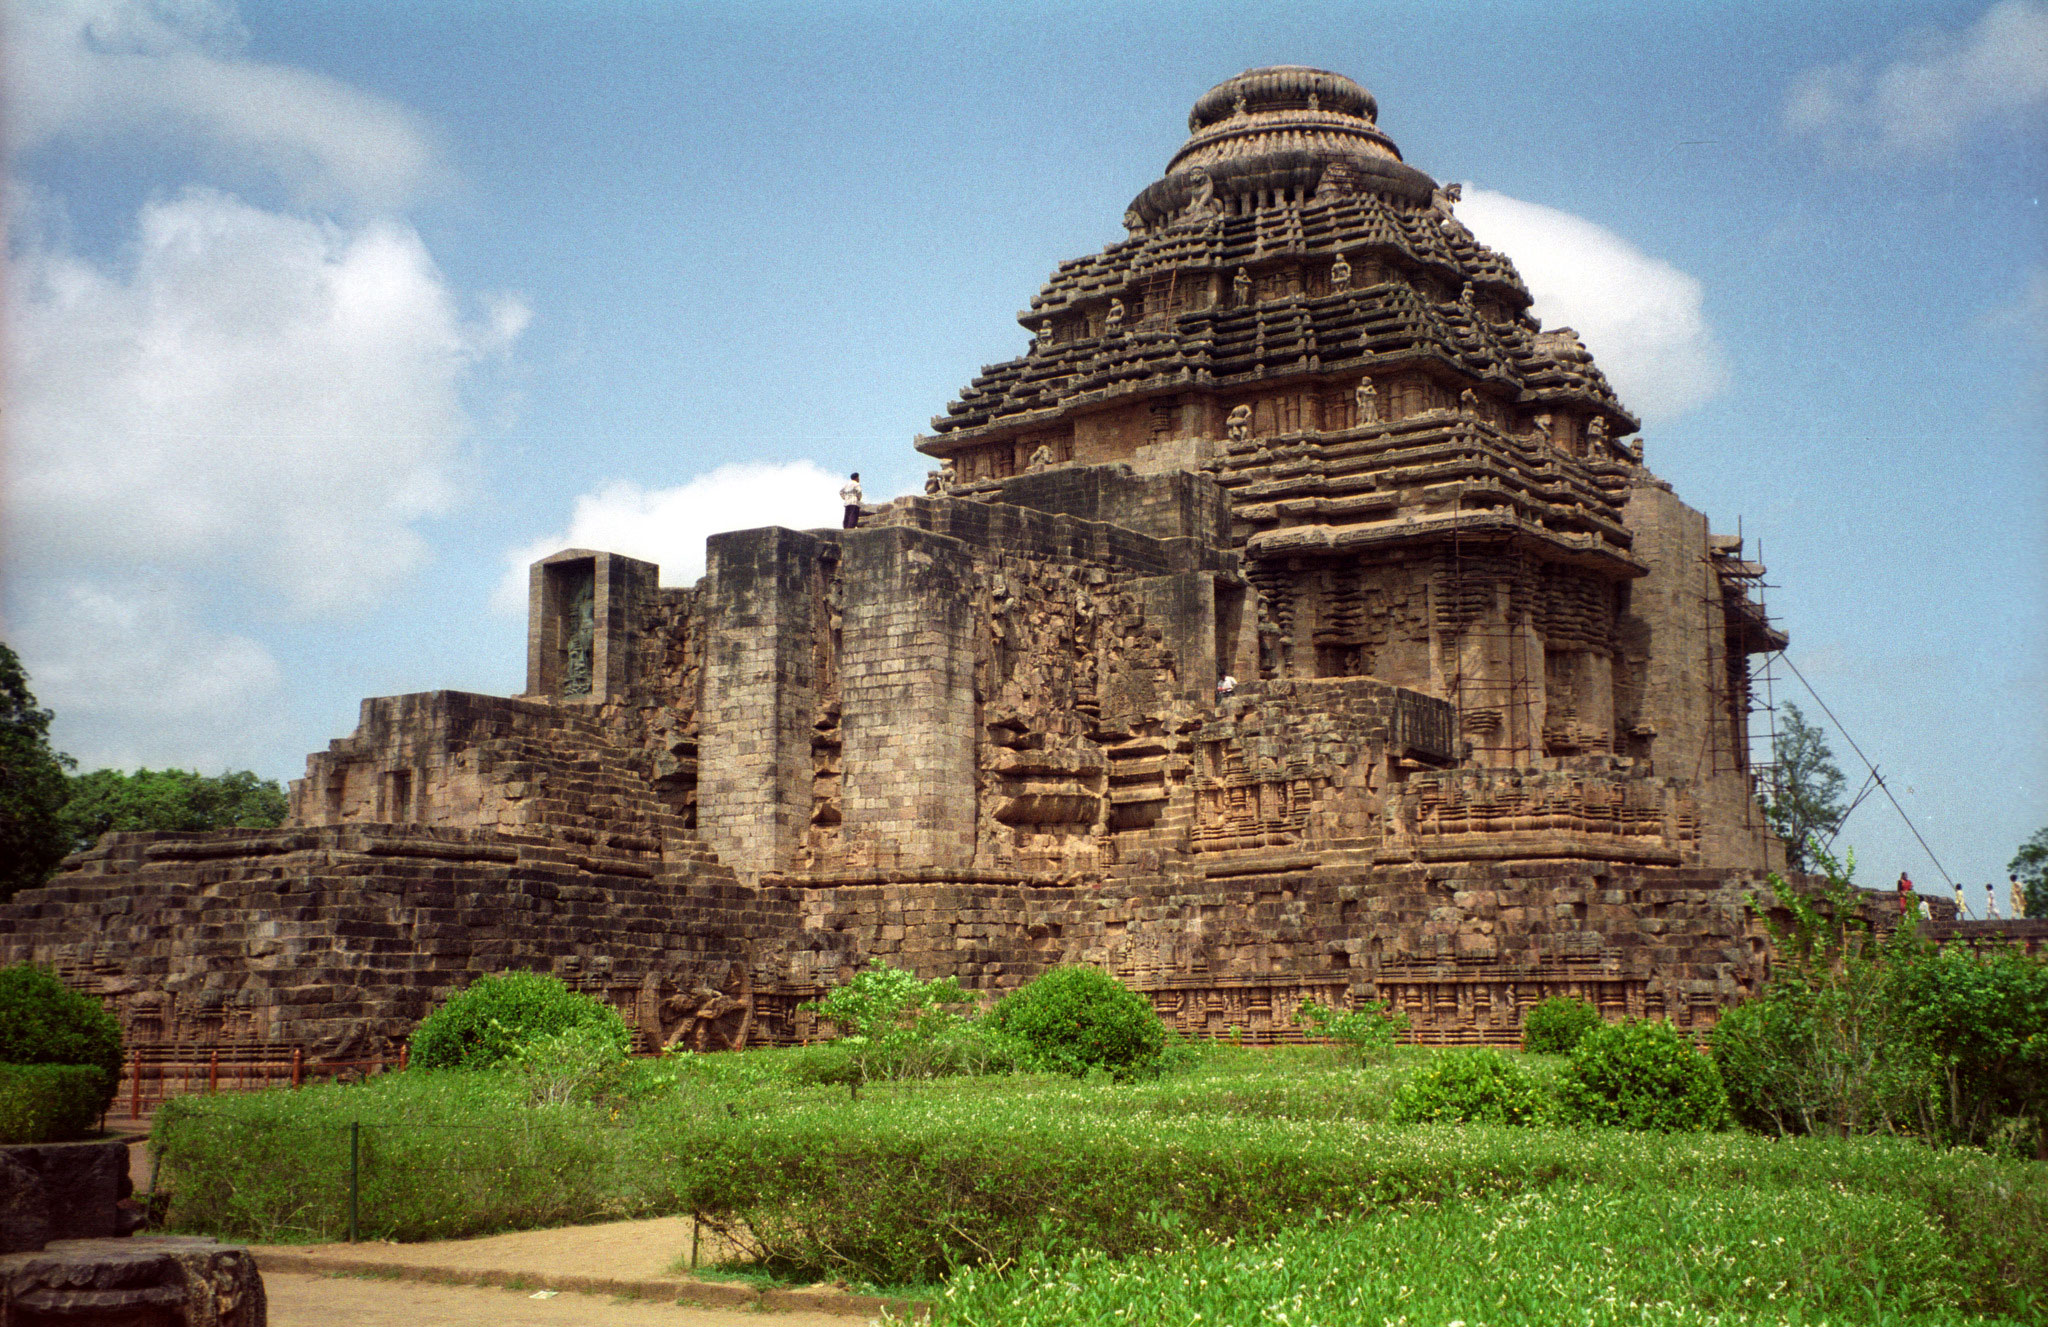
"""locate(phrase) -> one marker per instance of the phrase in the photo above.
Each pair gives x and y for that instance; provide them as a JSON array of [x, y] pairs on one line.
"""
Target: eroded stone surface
[[140, 1282]]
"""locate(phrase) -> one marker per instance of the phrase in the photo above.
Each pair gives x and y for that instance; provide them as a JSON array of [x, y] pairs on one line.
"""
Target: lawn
[[1254, 1186]]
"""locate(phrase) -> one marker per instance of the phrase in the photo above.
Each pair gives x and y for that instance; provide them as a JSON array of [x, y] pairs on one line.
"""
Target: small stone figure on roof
[[933, 485], [1468, 401], [1202, 204], [849, 497], [1045, 334], [1315, 103], [1365, 403], [1446, 197], [1041, 457], [1542, 423], [1241, 287], [1237, 425], [1132, 221], [1340, 273], [1113, 321], [1596, 436], [949, 475], [1465, 294]]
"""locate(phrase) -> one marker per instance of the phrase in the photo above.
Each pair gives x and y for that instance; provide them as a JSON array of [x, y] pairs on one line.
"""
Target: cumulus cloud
[[1931, 96], [135, 680], [246, 404], [271, 396], [174, 69], [1641, 317], [670, 525]]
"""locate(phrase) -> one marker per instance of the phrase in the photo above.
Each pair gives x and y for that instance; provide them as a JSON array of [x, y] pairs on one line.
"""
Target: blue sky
[[323, 317]]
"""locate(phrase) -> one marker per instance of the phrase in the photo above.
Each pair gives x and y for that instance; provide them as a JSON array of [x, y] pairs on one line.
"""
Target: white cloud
[[134, 680], [172, 69], [670, 525], [265, 395], [1641, 317], [1927, 100]]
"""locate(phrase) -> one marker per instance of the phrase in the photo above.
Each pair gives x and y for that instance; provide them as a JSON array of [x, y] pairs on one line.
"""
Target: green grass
[[1085, 1181]]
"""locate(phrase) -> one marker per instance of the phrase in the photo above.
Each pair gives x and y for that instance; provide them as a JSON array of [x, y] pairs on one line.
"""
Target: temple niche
[[1294, 617]]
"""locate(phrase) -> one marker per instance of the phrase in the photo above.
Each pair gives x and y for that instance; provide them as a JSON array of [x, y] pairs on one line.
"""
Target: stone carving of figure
[[1241, 287], [1238, 424], [1237, 105], [1596, 436], [1465, 295], [1542, 423], [949, 475], [1446, 197], [1315, 103], [1203, 203], [1045, 334], [1041, 457], [933, 485], [1113, 321], [1340, 273], [1468, 402], [1132, 221], [1365, 403], [576, 669]]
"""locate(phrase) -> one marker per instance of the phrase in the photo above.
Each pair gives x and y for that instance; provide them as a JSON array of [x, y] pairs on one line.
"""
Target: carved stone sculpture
[[1241, 287], [1446, 197], [1113, 321], [1543, 431], [1041, 457], [1237, 425], [1340, 273], [1202, 203], [1468, 402], [1365, 402], [576, 668], [1596, 436], [933, 484]]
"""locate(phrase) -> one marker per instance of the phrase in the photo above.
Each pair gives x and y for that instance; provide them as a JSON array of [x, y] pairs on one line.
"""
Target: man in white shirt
[[849, 494]]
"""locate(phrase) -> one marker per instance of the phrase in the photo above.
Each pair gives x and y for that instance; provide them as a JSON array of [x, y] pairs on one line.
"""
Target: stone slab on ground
[[621, 1258]]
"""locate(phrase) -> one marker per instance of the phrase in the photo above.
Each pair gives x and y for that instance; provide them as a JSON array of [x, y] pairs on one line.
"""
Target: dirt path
[[299, 1299], [616, 1273]]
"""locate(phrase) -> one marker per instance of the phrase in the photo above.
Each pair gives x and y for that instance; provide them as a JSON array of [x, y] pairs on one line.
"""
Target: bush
[[895, 1026], [495, 1017], [1470, 1087], [1362, 1034], [1555, 1026], [43, 1021], [1075, 1019], [49, 1103], [1642, 1075]]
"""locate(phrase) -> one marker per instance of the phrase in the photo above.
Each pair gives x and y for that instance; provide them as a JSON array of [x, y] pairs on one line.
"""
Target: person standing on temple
[[849, 496], [1962, 908], [1990, 902], [2019, 898], [1905, 893]]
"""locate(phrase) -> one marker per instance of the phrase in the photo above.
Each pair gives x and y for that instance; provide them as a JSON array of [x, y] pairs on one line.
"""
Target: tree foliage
[[1804, 803], [168, 799], [1075, 1019], [2030, 864], [43, 1021], [496, 1017], [33, 786]]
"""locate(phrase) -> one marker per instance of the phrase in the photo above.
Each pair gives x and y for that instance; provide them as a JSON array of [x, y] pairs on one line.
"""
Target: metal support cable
[[1878, 778]]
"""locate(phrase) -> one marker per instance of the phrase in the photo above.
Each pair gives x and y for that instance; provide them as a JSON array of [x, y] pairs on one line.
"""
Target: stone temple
[[1487, 740]]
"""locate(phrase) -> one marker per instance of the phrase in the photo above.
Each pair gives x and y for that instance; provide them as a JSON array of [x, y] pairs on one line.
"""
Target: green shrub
[[49, 1103], [1075, 1019], [1361, 1034], [43, 1021], [1642, 1075], [1470, 1087], [894, 1025], [1980, 1020], [1762, 1048], [584, 1063], [490, 1021], [1555, 1026]]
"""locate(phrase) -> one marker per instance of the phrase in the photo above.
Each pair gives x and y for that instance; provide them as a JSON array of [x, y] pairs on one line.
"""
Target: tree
[[32, 785], [1805, 801], [2030, 864], [175, 799]]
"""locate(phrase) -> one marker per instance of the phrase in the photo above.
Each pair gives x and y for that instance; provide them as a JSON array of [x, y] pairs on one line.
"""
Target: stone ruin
[[1295, 619]]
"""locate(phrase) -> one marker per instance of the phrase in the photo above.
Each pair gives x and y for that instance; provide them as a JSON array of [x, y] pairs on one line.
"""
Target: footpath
[[623, 1259]]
